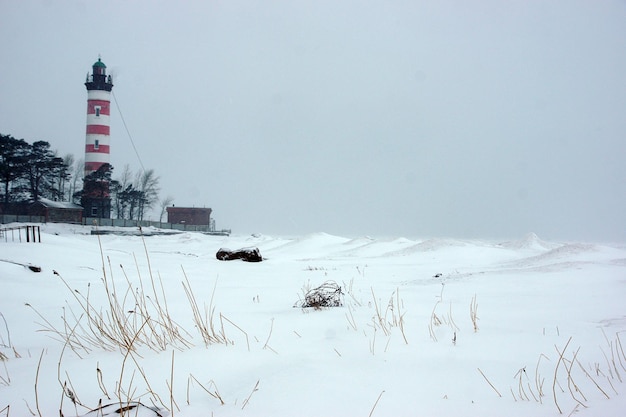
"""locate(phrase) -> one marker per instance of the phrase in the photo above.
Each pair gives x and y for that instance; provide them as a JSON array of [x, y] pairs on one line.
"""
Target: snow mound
[[377, 248], [530, 241], [563, 256], [314, 244], [436, 244]]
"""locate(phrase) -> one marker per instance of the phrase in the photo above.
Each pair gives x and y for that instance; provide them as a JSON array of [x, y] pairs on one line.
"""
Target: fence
[[14, 218], [89, 221], [32, 233]]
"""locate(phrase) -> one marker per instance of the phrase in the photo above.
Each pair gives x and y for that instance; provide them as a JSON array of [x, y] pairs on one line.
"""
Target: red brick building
[[189, 215]]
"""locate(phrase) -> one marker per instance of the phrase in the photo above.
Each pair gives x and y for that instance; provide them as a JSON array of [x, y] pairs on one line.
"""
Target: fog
[[482, 119]]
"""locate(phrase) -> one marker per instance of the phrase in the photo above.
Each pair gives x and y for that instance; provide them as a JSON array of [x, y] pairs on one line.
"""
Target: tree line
[[29, 172]]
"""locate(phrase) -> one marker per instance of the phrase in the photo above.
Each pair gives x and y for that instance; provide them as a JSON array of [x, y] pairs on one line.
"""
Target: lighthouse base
[[99, 208]]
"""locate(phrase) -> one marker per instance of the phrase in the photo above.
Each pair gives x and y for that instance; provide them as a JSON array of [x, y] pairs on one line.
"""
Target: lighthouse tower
[[96, 199], [97, 143]]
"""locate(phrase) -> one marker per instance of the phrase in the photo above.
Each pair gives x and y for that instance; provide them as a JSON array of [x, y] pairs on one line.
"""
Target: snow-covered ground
[[437, 327]]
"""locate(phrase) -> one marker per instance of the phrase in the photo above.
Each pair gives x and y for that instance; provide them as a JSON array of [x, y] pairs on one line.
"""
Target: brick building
[[57, 211], [189, 215]]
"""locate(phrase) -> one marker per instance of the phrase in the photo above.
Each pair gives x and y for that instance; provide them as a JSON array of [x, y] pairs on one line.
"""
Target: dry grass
[[392, 317], [376, 403], [210, 389], [567, 373], [136, 316], [247, 400], [474, 313], [5, 339], [445, 319], [204, 320], [489, 382]]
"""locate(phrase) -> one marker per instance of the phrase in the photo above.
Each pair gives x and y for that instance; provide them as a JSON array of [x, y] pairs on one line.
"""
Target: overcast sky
[[447, 118]]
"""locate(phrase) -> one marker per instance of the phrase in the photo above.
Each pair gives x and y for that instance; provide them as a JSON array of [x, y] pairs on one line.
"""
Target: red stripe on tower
[[98, 107], [98, 130]]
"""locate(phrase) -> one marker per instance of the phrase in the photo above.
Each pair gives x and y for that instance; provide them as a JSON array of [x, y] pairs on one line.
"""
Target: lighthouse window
[[96, 145], [97, 108]]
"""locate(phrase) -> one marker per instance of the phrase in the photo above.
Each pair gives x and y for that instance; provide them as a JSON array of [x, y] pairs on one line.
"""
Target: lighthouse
[[97, 143], [96, 199]]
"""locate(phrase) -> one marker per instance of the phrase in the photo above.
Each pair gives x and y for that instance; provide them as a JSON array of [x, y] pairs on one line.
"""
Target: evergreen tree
[[42, 169], [13, 162]]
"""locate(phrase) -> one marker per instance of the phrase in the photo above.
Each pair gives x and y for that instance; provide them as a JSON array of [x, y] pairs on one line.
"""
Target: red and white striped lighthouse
[[97, 142], [96, 197]]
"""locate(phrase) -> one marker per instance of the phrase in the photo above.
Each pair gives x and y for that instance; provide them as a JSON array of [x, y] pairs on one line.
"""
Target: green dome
[[99, 64]]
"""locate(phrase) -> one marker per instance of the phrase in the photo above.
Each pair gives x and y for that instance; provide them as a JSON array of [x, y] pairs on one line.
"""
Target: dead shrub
[[328, 294]]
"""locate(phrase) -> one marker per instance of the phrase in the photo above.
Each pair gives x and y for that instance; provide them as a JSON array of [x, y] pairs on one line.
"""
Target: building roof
[[201, 209], [59, 204], [99, 64]]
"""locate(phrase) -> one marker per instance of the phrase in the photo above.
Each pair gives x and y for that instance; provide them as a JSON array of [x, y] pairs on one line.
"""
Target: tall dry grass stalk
[[489, 382], [539, 381], [474, 313], [247, 400], [392, 316], [204, 321], [37, 382], [376, 403], [6, 378], [446, 318], [211, 390], [5, 343]]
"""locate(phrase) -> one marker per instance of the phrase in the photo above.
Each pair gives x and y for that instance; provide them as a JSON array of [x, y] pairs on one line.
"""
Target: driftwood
[[131, 408], [33, 268], [245, 254]]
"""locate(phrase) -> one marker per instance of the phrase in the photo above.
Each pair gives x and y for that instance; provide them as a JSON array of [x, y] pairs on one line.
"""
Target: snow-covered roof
[[59, 204]]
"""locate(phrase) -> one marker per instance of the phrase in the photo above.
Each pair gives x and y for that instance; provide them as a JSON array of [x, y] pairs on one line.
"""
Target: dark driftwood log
[[132, 408], [33, 268], [245, 254]]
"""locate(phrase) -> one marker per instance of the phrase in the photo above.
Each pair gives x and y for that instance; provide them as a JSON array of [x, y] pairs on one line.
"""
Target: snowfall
[[144, 323]]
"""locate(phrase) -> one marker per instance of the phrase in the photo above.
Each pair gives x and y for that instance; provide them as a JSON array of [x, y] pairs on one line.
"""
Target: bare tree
[[148, 185], [166, 202], [76, 182], [121, 189], [133, 198], [65, 176]]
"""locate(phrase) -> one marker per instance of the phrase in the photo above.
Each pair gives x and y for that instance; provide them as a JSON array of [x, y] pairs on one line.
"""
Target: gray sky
[[460, 118]]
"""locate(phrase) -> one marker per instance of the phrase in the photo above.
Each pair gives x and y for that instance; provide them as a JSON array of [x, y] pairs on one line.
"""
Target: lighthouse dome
[[99, 68]]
